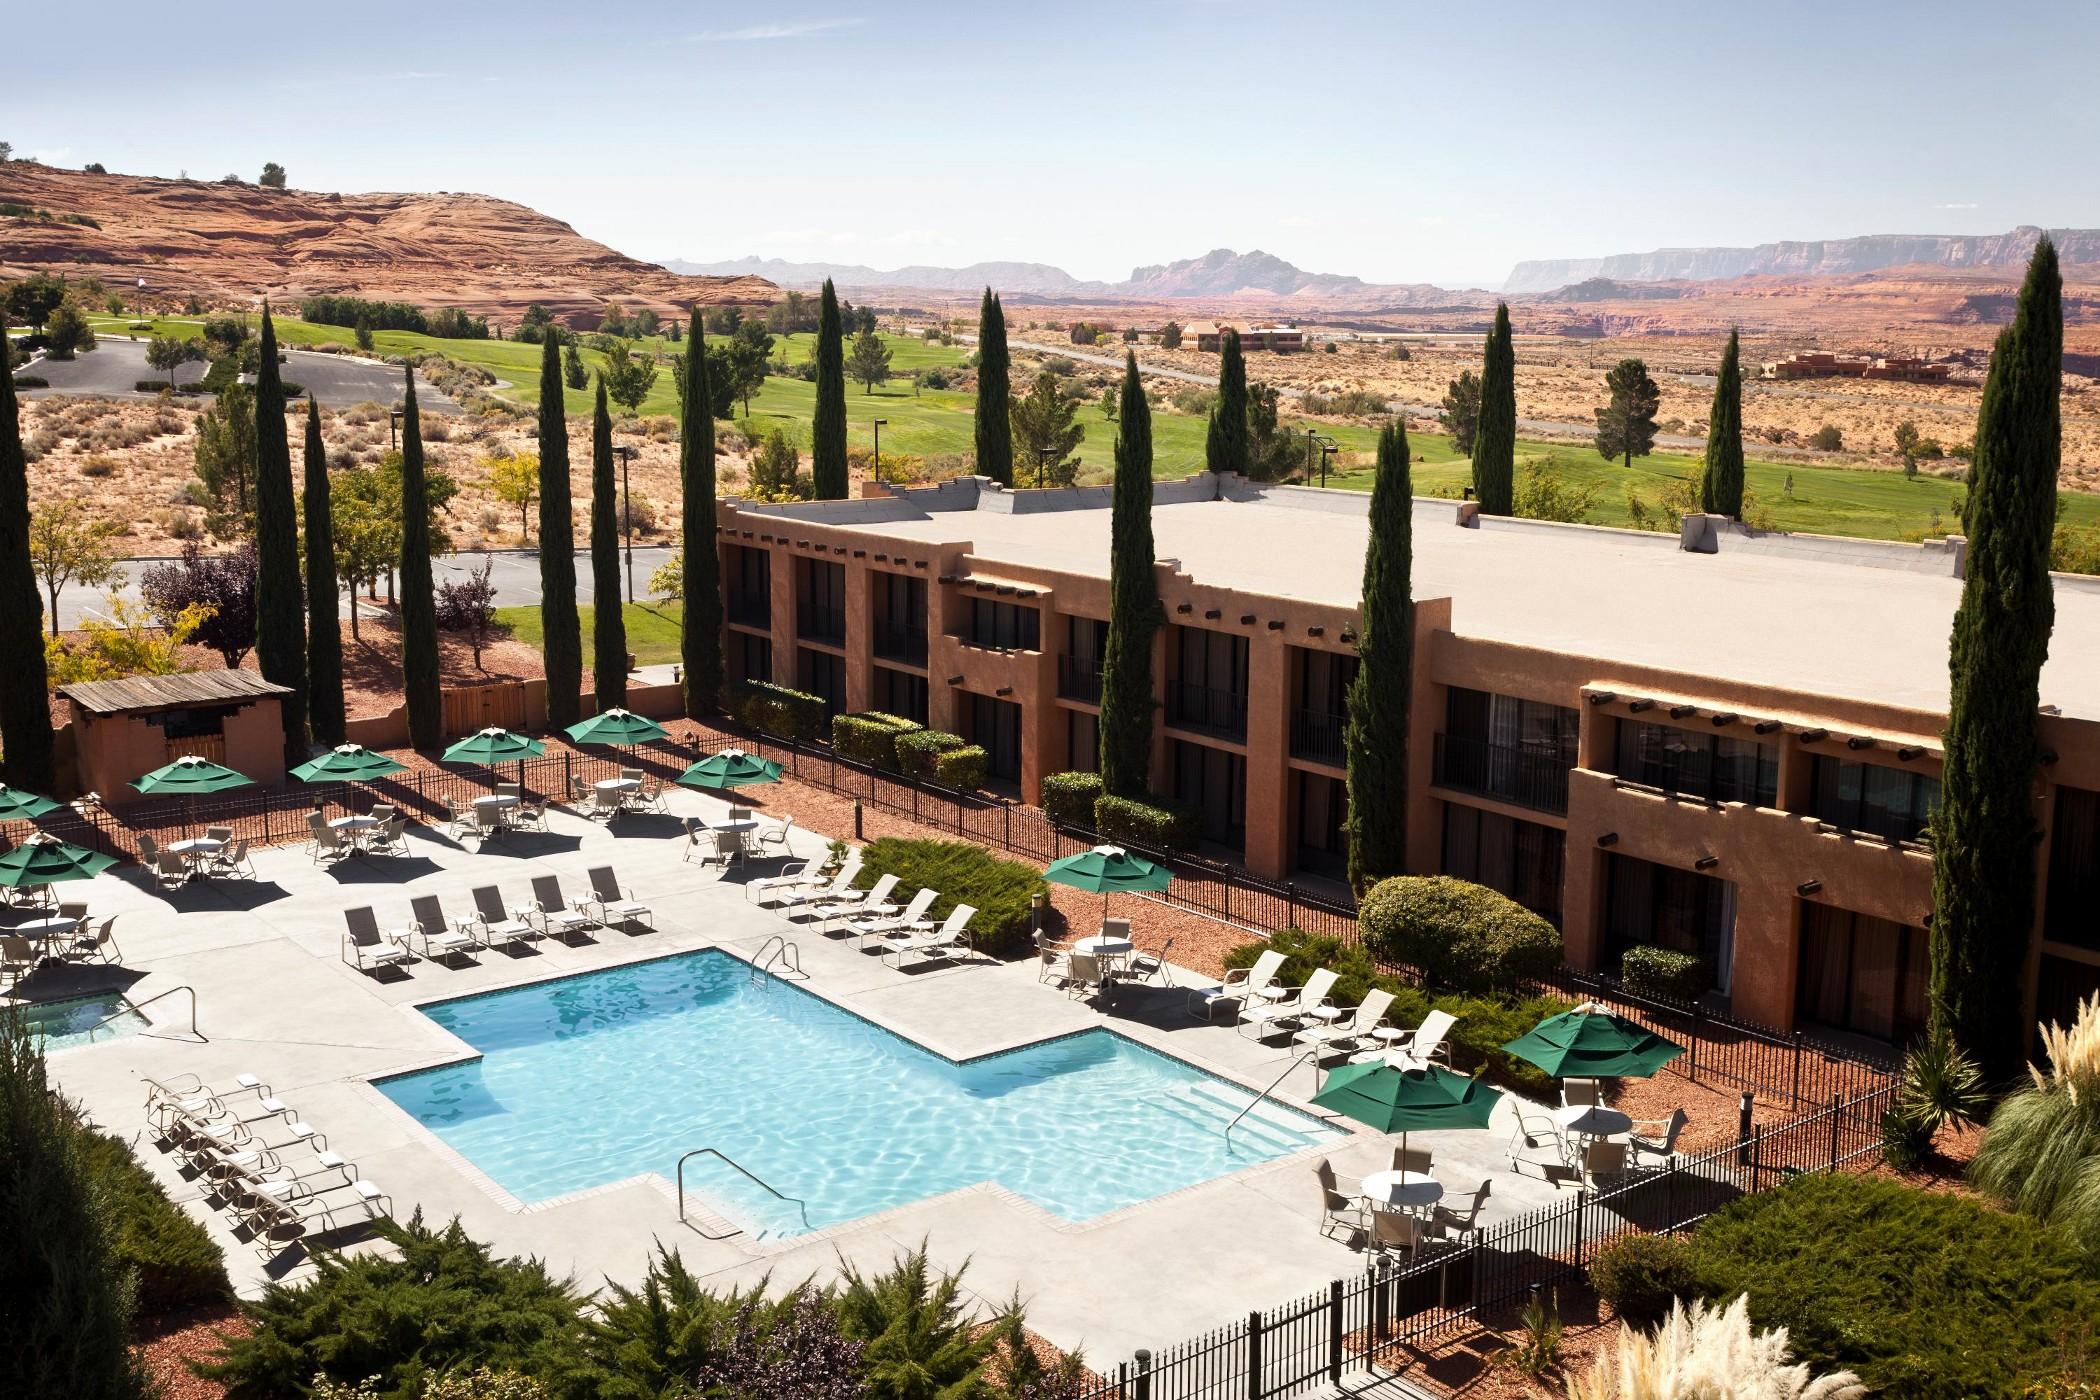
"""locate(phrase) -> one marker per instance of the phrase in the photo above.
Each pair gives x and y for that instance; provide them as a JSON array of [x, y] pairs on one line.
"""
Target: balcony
[[1207, 709], [1317, 735], [1079, 678], [748, 609], [901, 642], [1522, 777], [815, 622]]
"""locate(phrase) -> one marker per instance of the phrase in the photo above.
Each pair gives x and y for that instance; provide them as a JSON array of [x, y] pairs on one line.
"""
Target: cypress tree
[[1984, 834], [1133, 601], [324, 633], [827, 450], [1721, 488], [420, 685], [25, 707], [1376, 730], [1495, 440], [280, 607], [1225, 447], [608, 622], [700, 569], [561, 636], [995, 428]]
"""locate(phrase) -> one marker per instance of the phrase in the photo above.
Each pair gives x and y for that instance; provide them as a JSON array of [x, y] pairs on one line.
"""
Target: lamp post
[[1042, 464], [878, 447], [1328, 447], [1310, 435], [393, 429], [625, 452]]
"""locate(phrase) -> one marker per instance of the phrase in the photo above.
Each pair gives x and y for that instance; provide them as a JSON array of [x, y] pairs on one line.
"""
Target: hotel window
[[822, 674], [1863, 974], [2073, 912], [900, 617], [1521, 859], [1083, 742], [899, 693], [751, 656], [820, 610], [749, 587], [1646, 903], [1008, 626], [1499, 746], [1323, 830], [1712, 766], [995, 726], [1209, 688], [1214, 782], [1892, 803]]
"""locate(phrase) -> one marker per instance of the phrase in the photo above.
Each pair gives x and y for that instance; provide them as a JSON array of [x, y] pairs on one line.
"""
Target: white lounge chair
[[1354, 1029], [774, 886], [874, 925], [1263, 1018], [775, 838], [614, 904], [1240, 983], [441, 937], [499, 926], [557, 916], [944, 942], [365, 947], [844, 905], [1426, 1044], [819, 889]]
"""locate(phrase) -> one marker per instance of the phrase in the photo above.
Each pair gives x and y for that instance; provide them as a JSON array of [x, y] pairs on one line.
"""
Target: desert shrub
[[1357, 403], [1641, 1275], [1664, 973], [438, 1302], [1068, 798], [33, 381], [1156, 822], [1463, 936], [870, 737], [1923, 1294], [775, 709], [176, 1262], [2041, 1155], [1194, 402], [963, 769], [918, 750], [97, 467], [1003, 891]]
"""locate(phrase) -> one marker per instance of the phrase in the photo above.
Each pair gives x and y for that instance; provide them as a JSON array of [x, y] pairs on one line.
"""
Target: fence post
[[1379, 1305], [1144, 1374], [1290, 903], [1254, 1356], [1834, 1122], [1670, 1198], [1797, 1068], [1581, 1225], [1692, 1059], [1742, 1124], [1006, 815], [1334, 1332]]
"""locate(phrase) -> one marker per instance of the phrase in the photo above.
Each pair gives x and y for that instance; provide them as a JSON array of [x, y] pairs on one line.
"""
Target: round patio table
[[1406, 1190], [1104, 945], [354, 823], [40, 930], [745, 824], [1591, 1120], [501, 801], [617, 784], [197, 846]]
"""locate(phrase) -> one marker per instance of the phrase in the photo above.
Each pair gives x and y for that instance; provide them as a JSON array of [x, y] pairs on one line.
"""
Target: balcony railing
[[901, 641], [747, 609], [1207, 709], [1079, 678], [1317, 735], [1523, 777], [814, 622]]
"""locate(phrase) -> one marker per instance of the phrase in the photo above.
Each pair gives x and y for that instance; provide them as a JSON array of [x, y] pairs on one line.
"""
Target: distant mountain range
[[1218, 273], [1811, 258]]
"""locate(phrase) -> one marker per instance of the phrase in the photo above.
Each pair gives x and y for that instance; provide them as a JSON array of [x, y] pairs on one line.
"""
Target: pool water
[[62, 1025], [597, 1078]]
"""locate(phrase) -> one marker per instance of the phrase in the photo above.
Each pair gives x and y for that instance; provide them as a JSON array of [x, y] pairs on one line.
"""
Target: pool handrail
[[797, 1202], [138, 1008], [1256, 1101], [779, 949]]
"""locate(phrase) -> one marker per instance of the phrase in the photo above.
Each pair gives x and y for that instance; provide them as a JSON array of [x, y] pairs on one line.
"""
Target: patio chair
[[1603, 1163], [1395, 1231], [649, 797], [635, 773], [698, 844], [1536, 1131], [777, 839], [616, 905], [438, 932], [729, 848], [172, 869], [740, 814], [1587, 1092], [1261, 1020], [951, 938], [557, 916], [383, 812], [35, 896], [516, 790], [499, 927], [579, 791], [17, 958], [1412, 1159], [878, 926], [149, 851], [388, 839], [845, 905], [1664, 1146], [1337, 1207], [1053, 959], [97, 944], [1461, 1222], [604, 804], [530, 814], [234, 860], [328, 842], [1089, 975], [1151, 967], [1239, 984], [489, 822], [1427, 1042], [365, 947], [454, 822], [219, 833]]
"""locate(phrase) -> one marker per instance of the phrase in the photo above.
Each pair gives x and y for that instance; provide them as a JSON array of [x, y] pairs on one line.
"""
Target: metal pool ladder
[[719, 1155], [778, 950], [138, 1008], [1256, 1101]]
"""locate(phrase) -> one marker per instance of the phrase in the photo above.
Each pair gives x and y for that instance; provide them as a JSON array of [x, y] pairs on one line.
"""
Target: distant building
[[1825, 364], [1210, 335]]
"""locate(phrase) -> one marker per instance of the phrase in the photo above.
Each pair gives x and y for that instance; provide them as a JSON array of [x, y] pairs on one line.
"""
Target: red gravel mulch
[[171, 1341]]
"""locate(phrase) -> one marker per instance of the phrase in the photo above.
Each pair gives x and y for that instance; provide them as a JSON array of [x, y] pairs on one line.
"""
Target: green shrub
[[1156, 822], [1664, 973], [1463, 936], [774, 709], [963, 769], [917, 750], [870, 737], [177, 1262], [1641, 1275], [1003, 891], [1068, 798], [1924, 1294], [37, 381]]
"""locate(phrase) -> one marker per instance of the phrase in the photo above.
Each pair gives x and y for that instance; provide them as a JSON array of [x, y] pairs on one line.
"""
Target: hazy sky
[[1398, 142]]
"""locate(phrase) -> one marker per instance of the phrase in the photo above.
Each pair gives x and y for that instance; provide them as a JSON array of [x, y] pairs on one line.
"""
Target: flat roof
[[182, 690], [1798, 613]]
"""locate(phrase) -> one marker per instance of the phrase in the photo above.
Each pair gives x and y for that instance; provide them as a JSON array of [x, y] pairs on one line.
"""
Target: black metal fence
[[1370, 1319]]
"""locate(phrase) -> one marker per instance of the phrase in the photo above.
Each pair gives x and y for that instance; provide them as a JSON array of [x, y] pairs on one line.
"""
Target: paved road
[[516, 576], [114, 367]]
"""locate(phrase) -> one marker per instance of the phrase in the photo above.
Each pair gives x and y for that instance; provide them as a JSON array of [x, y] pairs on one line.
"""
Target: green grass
[[652, 629]]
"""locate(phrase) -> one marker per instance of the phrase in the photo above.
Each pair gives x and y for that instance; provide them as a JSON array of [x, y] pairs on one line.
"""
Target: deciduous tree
[[225, 461], [827, 452], [467, 605], [700, 624], [1375, 735], [995, 442], [514, 479], [869, 364], [1626, 424], [67, 333], [280, 602], [1134, 614], [324, 635], [25, 709], [272, 175], [69, 546], [608, 620], [169, 353], [421, 686], [1721, 484], [1495, 437], [222, 583], [561, 637], [628, 377], [1045, 430]]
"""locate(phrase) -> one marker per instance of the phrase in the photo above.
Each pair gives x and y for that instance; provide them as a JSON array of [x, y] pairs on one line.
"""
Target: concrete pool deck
[[274, 999]]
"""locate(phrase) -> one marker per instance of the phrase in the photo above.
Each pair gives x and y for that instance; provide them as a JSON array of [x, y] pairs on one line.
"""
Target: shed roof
[[182, 690]]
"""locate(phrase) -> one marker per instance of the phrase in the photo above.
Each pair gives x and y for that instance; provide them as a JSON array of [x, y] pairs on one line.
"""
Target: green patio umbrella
[[1392, 1100], [1105, 870], [731, 768], [46, 861], [348, 763], [188, 776], [1591, 1043], [492, 746], [17, 805], [619, 728]]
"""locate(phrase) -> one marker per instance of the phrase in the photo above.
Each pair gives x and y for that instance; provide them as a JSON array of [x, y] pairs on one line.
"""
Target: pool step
[[1212, 1105], [1287, 1124]]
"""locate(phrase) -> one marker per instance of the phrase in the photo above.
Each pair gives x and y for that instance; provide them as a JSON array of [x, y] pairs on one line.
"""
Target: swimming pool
[[597, 1078], [62, 1025]]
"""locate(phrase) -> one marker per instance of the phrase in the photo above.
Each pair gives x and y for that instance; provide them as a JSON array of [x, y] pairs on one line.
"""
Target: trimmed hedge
[[31, 381], [1069, 798], [1003, 891], [919, 750], [1642, 1275], [774, 709], [870, 737], [1463, 936], [1665, 973], [1157, 822], [178, 1265], [963, 769], [1483, 1027]]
